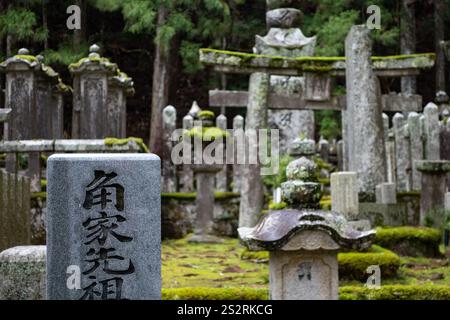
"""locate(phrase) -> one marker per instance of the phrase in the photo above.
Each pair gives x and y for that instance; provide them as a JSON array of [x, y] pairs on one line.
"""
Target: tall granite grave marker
[[104, 218]]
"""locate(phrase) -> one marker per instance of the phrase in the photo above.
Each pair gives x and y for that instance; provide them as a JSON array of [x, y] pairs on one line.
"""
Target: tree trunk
[[10, 41], [160, 86], [439, 35], [408, 40], [79, 36], [45, 22]]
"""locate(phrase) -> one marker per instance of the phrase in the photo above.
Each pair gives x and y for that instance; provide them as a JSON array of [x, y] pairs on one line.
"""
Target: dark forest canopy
[[132, 32]]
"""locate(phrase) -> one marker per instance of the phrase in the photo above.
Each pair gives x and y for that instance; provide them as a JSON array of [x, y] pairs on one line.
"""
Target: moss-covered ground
[[220, 266]]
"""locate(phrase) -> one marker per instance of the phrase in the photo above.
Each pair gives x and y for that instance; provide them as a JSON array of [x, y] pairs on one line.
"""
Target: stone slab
[[104, 222]]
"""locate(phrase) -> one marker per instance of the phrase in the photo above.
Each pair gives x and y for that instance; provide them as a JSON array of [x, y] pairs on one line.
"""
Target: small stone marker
[[386, 193], [104, 220], [22, 273], [344, 194]]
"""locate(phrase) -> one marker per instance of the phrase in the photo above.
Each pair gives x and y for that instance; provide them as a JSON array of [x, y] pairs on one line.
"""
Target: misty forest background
[[157, 42]]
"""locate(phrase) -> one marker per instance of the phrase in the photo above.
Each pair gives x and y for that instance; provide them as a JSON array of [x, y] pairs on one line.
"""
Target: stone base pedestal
[[303, 275]]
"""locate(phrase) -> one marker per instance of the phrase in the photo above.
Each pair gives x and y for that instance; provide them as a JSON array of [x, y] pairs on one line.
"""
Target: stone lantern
[[34, 93], [303, 241], [205, 174]]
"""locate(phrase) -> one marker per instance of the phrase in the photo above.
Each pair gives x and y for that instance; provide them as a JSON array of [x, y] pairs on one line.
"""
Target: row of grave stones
[[35, 95], [108, 246], [414, 136]]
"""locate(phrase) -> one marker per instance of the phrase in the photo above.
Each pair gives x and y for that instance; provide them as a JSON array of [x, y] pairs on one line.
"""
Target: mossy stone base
[[410, 241]]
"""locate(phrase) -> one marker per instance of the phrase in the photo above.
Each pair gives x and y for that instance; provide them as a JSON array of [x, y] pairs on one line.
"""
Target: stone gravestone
[[22, 273], [103, 227], [434, 188], [90, 95], [365, 140]]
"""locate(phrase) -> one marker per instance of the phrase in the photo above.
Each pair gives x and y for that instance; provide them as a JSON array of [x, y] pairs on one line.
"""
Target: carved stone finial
[[94, 51], [302, 191], [23, 52]]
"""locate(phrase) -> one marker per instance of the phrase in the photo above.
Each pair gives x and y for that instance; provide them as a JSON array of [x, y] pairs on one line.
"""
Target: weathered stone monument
[[99, 97], [434, 188], [103, 227], [303, 241], [34, 92], [344, 194], [365, 141], [205, 171]]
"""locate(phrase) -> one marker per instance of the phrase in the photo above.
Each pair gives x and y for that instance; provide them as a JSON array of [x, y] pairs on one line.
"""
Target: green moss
[[121, 142], [388, 237], [307, 64], [100, 60], [26, 57], [43, 184], [389, 292], [260, 256], [277, 206], [325, 203], [192, 195], [36, 195], [206, 114], [396, 292], [207, 133], [215, 294], [209, 265], [408, 194], [405, 56], [353, 265]]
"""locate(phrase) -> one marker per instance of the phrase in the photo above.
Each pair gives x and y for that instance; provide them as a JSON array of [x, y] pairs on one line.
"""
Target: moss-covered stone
[[353, 265], [215, 294], [309, 64], [26, 57], [206, 115], [121, 142], [207, 133], [410, 241], [438, 166], [388, 292]]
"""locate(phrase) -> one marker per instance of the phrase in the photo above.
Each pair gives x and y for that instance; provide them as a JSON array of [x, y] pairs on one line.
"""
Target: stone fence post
[[169, 169], [222, 175]]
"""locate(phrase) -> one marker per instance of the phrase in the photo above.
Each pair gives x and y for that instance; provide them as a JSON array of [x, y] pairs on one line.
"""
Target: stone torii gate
[[283, 58]]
